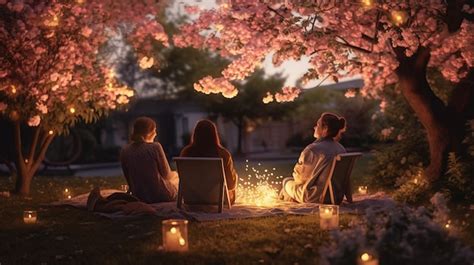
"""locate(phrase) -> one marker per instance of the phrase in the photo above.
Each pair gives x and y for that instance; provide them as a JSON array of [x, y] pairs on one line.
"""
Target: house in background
[[176, 120]]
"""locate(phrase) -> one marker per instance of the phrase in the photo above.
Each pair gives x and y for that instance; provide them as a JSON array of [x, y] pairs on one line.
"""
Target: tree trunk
[[27, 167], [444, 126]]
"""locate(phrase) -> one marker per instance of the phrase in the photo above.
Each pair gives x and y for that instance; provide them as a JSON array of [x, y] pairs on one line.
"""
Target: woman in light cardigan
[[312, 170]]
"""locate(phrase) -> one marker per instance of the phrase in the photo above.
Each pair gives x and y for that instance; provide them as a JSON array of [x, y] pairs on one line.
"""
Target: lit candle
[[175, 235], [124, 188], [448, 224], [362, 189], [30, 217], [367, 259], [67, 194], [328, 217]]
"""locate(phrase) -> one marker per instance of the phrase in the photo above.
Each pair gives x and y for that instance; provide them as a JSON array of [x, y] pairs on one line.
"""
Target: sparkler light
[[260, 187]]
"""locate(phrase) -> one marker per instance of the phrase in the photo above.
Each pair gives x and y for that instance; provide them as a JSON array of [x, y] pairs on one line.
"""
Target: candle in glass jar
[[30, 217], [328, 217], [362, 190], [175, 235]]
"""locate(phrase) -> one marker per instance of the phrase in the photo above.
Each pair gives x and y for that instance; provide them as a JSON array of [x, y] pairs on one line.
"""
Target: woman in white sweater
[[312, 170]]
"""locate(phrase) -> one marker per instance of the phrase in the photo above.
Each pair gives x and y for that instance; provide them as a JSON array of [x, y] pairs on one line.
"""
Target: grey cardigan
[[147, 172]]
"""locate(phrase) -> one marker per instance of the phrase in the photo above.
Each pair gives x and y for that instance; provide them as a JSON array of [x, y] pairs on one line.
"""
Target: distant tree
[[51, 74], [248, 107]]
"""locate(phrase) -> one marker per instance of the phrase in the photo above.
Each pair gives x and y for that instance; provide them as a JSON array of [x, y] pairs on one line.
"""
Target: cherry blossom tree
[[51, 74], [385, 42]]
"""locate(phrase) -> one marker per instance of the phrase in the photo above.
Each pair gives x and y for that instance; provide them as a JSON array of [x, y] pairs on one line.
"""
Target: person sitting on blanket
[[145, 168], [312, 170], [205, 143]]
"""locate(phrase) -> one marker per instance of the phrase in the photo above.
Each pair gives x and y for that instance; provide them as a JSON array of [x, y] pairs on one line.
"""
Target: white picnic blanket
[[240, 211]]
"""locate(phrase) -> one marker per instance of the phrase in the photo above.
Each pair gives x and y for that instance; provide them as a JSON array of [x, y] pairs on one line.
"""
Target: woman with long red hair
[[205, 143]]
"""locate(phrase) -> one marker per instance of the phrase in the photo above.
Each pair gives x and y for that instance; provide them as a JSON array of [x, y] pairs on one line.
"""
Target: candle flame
[[29, 215], [72, 110], [173, 230], [182, 242], [51, 132], [66, 190], [365, 257]]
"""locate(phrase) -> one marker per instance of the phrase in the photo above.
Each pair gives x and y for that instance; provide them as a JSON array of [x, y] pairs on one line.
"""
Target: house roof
[[343, 85]]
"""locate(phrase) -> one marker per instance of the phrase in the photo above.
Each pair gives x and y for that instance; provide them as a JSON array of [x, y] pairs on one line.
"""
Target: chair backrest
[[201, 181], [339, 181]]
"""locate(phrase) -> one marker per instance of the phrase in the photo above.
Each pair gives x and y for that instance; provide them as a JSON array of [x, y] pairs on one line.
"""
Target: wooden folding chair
[[202, 182], [339, 177]]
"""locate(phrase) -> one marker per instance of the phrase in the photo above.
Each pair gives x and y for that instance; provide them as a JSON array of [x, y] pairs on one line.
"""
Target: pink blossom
[[86, 32], [350, 93], [34, 121], [247, 31]]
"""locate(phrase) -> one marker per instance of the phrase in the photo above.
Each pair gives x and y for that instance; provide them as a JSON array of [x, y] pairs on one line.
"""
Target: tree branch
[[17, 139], [347, 44], [42, 152], [37, 131]]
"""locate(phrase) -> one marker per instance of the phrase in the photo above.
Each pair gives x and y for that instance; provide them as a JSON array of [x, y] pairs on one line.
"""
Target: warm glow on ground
[[260, 187]]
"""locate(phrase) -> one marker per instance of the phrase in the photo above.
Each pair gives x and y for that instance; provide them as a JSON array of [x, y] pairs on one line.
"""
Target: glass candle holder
[[124, 188], [367, 258], [362, 190], [175, 235], [328, 217], [30, 217]]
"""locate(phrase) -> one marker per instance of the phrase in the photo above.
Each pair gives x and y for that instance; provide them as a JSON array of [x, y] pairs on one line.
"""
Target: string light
[[399, 17], [13, 89], [72, 110], [367, 3], [51, 132]]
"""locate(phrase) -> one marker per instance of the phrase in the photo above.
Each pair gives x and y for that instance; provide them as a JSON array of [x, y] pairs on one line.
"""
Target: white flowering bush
[[400, 235]]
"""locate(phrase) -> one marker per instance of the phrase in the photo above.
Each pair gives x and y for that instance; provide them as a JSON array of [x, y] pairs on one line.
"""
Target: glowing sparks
[[259, 189]]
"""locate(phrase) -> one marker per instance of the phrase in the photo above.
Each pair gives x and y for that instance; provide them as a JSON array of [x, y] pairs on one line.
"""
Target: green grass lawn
[[65, 235]]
